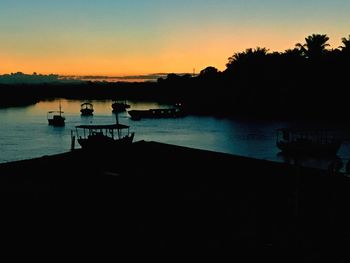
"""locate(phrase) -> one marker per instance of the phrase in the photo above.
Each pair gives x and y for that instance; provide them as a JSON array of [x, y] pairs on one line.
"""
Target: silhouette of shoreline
[[24, 94], [309, 81]]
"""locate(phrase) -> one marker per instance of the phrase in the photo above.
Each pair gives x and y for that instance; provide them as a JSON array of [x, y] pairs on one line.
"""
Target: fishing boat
[[86, 109], [56, 118], [103, 136], [120, 106], [312, 142]]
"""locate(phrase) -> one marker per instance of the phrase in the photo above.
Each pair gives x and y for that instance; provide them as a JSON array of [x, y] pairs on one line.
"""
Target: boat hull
[[57, 121], [310, 149], [155, 113], [86, 112]]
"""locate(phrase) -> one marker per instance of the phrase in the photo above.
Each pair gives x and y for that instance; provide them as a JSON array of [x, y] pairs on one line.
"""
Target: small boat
[[157, 113], [120, 106], [108, 136], [300, 142], [56, 118], [86, 109]]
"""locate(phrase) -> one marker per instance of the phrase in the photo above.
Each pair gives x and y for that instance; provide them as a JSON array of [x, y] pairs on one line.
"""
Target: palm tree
[[295, 52], [346, 45], [248, 56], [315, 46]]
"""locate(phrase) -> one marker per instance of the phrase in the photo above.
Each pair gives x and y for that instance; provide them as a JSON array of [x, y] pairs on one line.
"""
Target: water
[[25, 133]]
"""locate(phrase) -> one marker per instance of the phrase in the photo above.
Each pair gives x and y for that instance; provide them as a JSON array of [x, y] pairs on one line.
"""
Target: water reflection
[[24, 132]]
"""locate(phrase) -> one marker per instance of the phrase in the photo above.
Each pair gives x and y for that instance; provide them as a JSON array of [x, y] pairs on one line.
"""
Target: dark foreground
[[160, 196]]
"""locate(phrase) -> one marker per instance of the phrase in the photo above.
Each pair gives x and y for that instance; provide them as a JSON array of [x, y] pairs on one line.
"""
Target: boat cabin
[[114, 131]]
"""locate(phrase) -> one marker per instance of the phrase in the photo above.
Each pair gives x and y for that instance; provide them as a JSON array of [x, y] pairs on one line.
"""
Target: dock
[[157, 195]]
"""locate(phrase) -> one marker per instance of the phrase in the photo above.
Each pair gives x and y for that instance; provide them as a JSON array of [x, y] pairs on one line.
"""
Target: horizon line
[[20, 77], [126, 76]]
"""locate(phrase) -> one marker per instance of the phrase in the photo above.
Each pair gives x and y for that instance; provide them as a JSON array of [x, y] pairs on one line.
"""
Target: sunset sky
[[129, 37]]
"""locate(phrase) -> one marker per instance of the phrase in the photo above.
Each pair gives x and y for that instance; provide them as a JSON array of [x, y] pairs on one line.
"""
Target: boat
[[107, 136], [120, 106], [174, 112], [103, 136], [86, 109], [311, 142], [56, 118]]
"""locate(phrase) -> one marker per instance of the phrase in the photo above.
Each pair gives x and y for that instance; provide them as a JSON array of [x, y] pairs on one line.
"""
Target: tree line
[[310, 80]]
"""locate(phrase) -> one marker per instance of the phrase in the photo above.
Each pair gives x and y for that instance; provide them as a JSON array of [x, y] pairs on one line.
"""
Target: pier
[[164, 196]]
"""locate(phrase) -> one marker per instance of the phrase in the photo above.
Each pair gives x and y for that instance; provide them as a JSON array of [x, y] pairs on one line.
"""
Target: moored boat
[[56, 118], [101, 136], [120, 106], [86, 109], [156, 113], [312, 142]]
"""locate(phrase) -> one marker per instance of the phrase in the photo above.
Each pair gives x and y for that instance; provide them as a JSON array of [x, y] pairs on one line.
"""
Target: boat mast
[[117, 121], [60, 106]]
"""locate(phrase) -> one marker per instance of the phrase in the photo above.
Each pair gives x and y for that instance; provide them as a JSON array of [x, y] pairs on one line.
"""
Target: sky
[[132, 37]]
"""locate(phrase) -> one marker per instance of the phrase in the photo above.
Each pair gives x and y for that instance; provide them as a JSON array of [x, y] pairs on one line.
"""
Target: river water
[[25, 133]]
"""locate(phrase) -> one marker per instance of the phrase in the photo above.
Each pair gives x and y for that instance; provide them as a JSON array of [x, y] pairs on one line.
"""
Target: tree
[[248, 54], [315, 46], [293, 53], [346, 45], [209, 72], [247, 58]]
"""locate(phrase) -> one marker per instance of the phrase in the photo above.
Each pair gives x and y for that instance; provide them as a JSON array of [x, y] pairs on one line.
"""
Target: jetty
[[164, 196]]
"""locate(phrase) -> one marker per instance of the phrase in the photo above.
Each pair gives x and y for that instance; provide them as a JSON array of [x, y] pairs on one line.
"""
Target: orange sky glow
[[119, 38]]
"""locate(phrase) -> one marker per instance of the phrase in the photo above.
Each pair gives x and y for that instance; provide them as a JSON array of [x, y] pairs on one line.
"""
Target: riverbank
[[195, 95], [163, 196]]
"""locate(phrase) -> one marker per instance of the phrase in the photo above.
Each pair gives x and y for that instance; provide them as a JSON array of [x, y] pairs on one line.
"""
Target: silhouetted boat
[[103, 136], [56, 118], [157, 113], [119, 106], [86, 109], [308, 142]]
